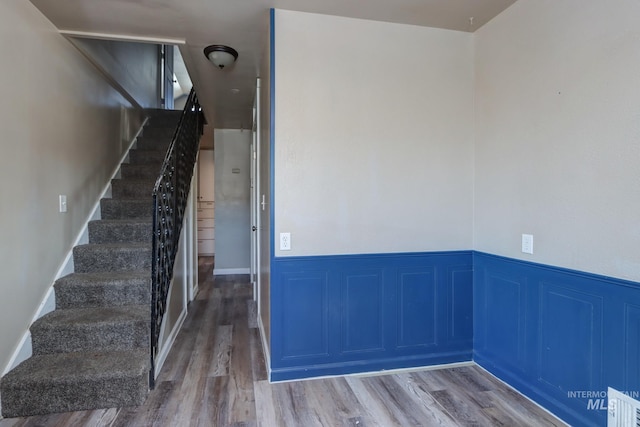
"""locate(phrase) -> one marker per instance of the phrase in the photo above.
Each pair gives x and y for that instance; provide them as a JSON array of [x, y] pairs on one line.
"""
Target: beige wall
[[61, 134], [558, 134], [232, 195], [373, 136]]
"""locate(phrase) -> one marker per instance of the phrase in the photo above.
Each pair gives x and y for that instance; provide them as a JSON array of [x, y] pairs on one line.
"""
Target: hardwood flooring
[[215, 376]]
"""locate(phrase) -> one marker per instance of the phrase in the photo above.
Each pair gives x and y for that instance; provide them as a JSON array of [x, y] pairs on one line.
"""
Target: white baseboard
[[24, 350], [413, 369], [194, 291], [229, 271], [265, 347], [384, 372]]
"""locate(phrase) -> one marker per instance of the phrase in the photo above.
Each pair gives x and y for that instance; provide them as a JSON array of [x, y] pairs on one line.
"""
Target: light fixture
[[221, 56]]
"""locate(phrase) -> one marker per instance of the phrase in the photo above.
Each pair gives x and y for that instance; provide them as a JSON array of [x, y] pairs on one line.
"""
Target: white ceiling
[[241, 24]]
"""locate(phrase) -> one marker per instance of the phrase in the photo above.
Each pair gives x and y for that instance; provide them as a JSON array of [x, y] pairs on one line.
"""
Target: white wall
[[61, 134], [232, 208], [558, 134], [373, 136]]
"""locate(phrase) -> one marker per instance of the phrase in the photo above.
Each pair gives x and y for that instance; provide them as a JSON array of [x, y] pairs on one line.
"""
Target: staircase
[[93, 350]]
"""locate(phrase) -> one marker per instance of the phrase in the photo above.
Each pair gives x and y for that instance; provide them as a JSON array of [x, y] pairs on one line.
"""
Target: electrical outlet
[[527, 243], [285, 241]]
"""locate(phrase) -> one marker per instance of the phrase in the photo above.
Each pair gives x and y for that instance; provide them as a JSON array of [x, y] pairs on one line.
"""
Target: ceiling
[[241, 24]]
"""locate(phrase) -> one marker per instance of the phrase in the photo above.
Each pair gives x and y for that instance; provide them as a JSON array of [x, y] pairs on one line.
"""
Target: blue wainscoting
[[334, 315], [559, 336]]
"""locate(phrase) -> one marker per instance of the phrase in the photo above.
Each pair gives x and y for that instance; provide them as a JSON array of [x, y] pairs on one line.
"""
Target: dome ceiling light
[[221, 56]]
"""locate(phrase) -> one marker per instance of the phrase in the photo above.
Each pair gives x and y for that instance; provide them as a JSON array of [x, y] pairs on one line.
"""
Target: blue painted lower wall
[[333, 315], [559, 336]]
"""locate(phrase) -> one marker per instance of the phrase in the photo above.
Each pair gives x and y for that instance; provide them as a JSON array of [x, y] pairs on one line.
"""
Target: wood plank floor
[[215, 376]]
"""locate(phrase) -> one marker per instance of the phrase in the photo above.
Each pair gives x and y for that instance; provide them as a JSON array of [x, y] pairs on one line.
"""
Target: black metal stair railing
[[169, 203]]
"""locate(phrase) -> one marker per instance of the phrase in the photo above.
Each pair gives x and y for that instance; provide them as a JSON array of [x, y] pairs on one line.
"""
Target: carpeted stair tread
[[125, 208], [92, 316], [146, 181], [132, 171], [162, 132], [121, 230], [153, 143], [98, 328], [78, 290], [75, 381], [146, 157], [133, 188], [159, 117], [112, 257], [122, 221]]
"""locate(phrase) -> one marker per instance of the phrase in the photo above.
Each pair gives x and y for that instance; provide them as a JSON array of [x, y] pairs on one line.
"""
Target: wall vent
[[623, 411]]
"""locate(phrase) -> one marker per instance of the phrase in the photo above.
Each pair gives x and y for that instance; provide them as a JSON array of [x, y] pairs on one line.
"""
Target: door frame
[[255, 197]]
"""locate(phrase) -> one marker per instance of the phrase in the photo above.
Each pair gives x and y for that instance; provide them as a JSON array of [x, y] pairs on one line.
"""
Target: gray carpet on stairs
[[92, 258], [120, 231], [103, 289], [93, 350], [125, 208], [85, 329], [75, 381]]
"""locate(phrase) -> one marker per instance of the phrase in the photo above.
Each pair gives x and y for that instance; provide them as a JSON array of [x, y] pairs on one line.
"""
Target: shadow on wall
[[148, 75]]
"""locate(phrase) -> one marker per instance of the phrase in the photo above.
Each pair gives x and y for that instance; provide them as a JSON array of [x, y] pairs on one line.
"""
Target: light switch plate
[[62, 203]]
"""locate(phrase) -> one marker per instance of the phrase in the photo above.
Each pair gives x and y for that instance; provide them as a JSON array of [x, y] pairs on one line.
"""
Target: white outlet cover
[[527, 243], [285, 241]]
